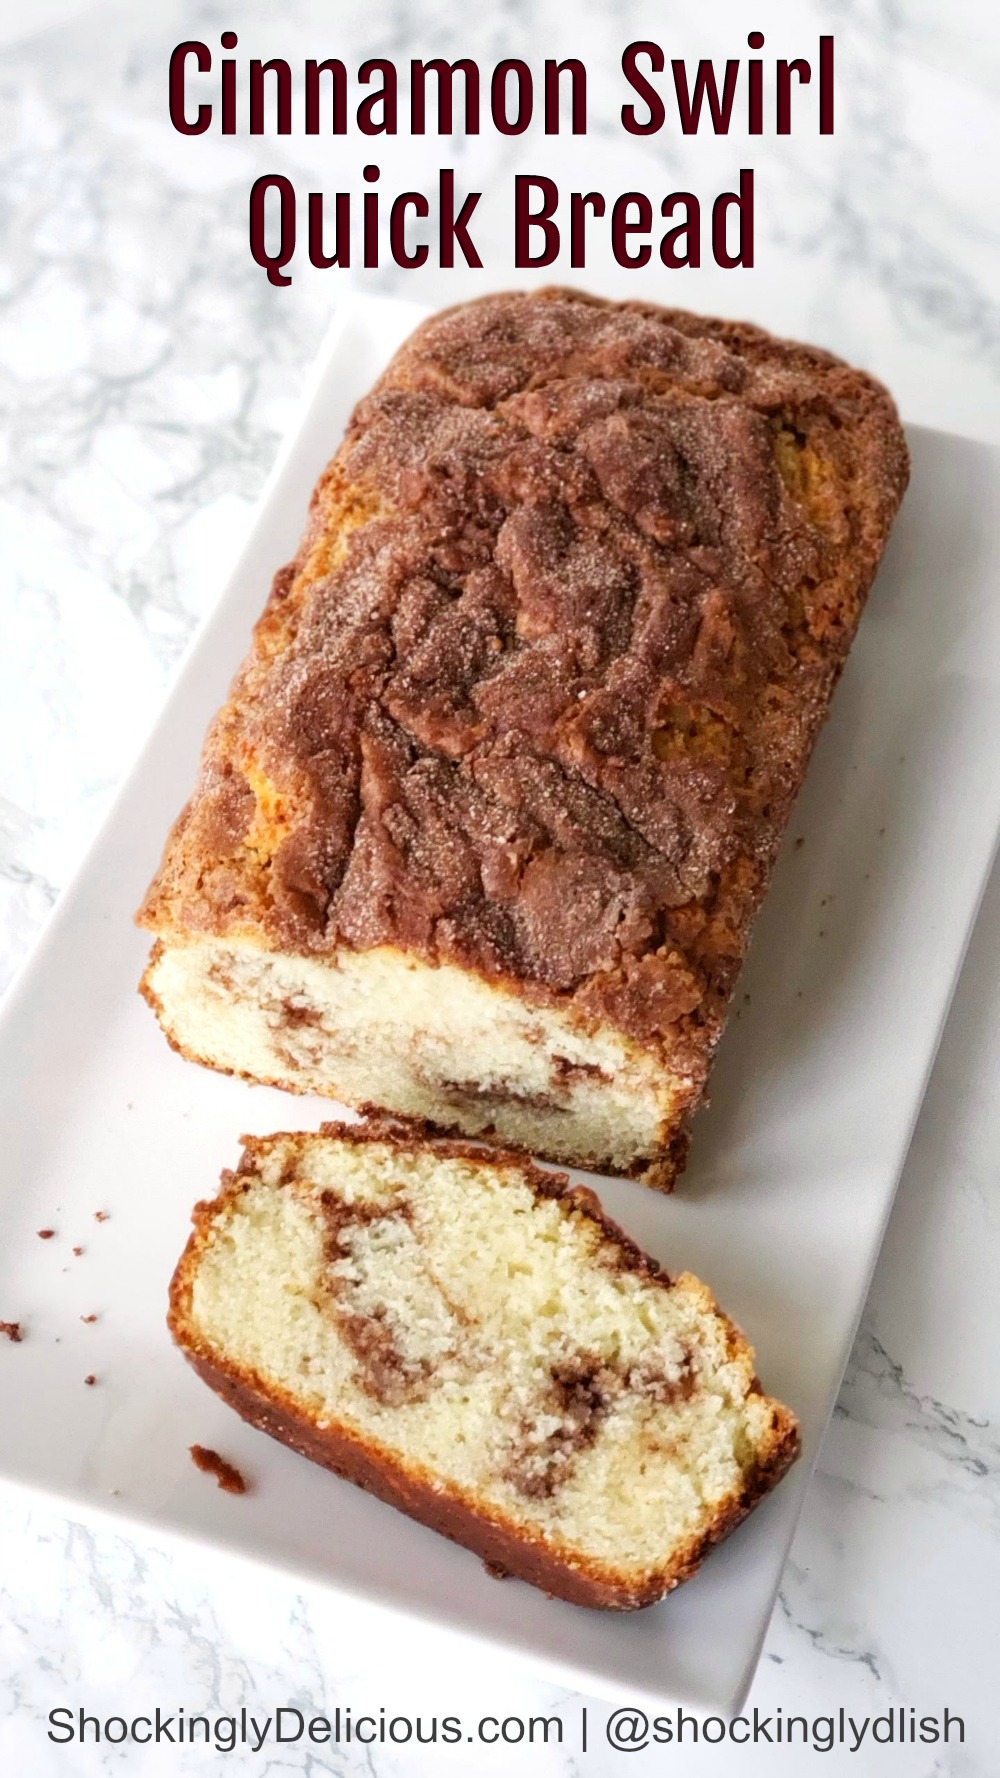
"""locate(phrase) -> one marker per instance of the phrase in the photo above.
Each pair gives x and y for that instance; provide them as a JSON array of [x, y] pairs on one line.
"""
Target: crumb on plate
[[226, 1474]]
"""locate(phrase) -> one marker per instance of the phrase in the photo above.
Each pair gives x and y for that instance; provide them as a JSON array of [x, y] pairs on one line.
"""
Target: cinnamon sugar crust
[[538, 691]]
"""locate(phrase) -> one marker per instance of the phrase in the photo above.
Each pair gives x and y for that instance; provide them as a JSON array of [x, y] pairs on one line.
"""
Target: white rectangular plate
[[794, 1166]]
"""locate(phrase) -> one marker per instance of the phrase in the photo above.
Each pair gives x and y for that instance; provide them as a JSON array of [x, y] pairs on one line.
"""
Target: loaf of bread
[[479, 836], [477, 1344]]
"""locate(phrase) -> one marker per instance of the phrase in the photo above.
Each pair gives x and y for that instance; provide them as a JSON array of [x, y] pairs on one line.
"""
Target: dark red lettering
[[578, 96], [525, 219], [338, 121], [579, 204], [228, 40], [283, 87], [785, 70], [826, 86], [178, 117], [445, 73], [416, 201], [648, 94], [498, 97], [452, 228], [622, 228], [742, 202], [690, 229], [274, 263], [386, 96], [755, 101], [705, 88], [341, 254]]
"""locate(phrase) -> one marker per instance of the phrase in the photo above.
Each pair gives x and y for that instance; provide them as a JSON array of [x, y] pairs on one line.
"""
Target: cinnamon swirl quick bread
[[476, 1344], [480, 834]]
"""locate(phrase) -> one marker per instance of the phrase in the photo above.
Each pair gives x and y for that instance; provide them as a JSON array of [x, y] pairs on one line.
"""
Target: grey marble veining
[[147, 371]]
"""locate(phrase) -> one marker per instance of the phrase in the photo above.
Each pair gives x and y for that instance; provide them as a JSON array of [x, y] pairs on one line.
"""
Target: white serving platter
[[794, 1165]]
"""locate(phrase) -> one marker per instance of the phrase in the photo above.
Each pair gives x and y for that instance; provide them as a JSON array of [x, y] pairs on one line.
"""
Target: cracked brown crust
[[538, 691], [504, 1546]]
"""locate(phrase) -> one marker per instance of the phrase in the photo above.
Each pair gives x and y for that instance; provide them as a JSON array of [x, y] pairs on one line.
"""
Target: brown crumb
[[45, 1234], [88, 1318], [101, 1215], [13, 1330], [800, 841], [226, 1474], [496, 1570], [77, 1251], [91, 1380]]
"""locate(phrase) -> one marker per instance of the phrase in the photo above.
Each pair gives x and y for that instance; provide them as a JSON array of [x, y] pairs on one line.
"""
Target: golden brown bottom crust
[[502, 1548]]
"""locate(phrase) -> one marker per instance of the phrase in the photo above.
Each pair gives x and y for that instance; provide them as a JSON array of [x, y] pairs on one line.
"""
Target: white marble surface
[[146, 372]]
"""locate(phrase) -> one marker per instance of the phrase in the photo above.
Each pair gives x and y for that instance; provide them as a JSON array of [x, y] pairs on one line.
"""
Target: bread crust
[[505, 1547], [537, 694]]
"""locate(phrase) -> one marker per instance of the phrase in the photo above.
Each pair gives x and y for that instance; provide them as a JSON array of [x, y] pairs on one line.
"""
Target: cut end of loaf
[[478, 1345], [436, 1043]]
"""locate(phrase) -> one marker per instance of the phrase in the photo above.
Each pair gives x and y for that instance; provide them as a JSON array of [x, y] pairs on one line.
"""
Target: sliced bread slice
[[472, 1340]]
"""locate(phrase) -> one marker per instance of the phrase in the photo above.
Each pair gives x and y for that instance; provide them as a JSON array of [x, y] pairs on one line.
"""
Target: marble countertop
[[147, 370]]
